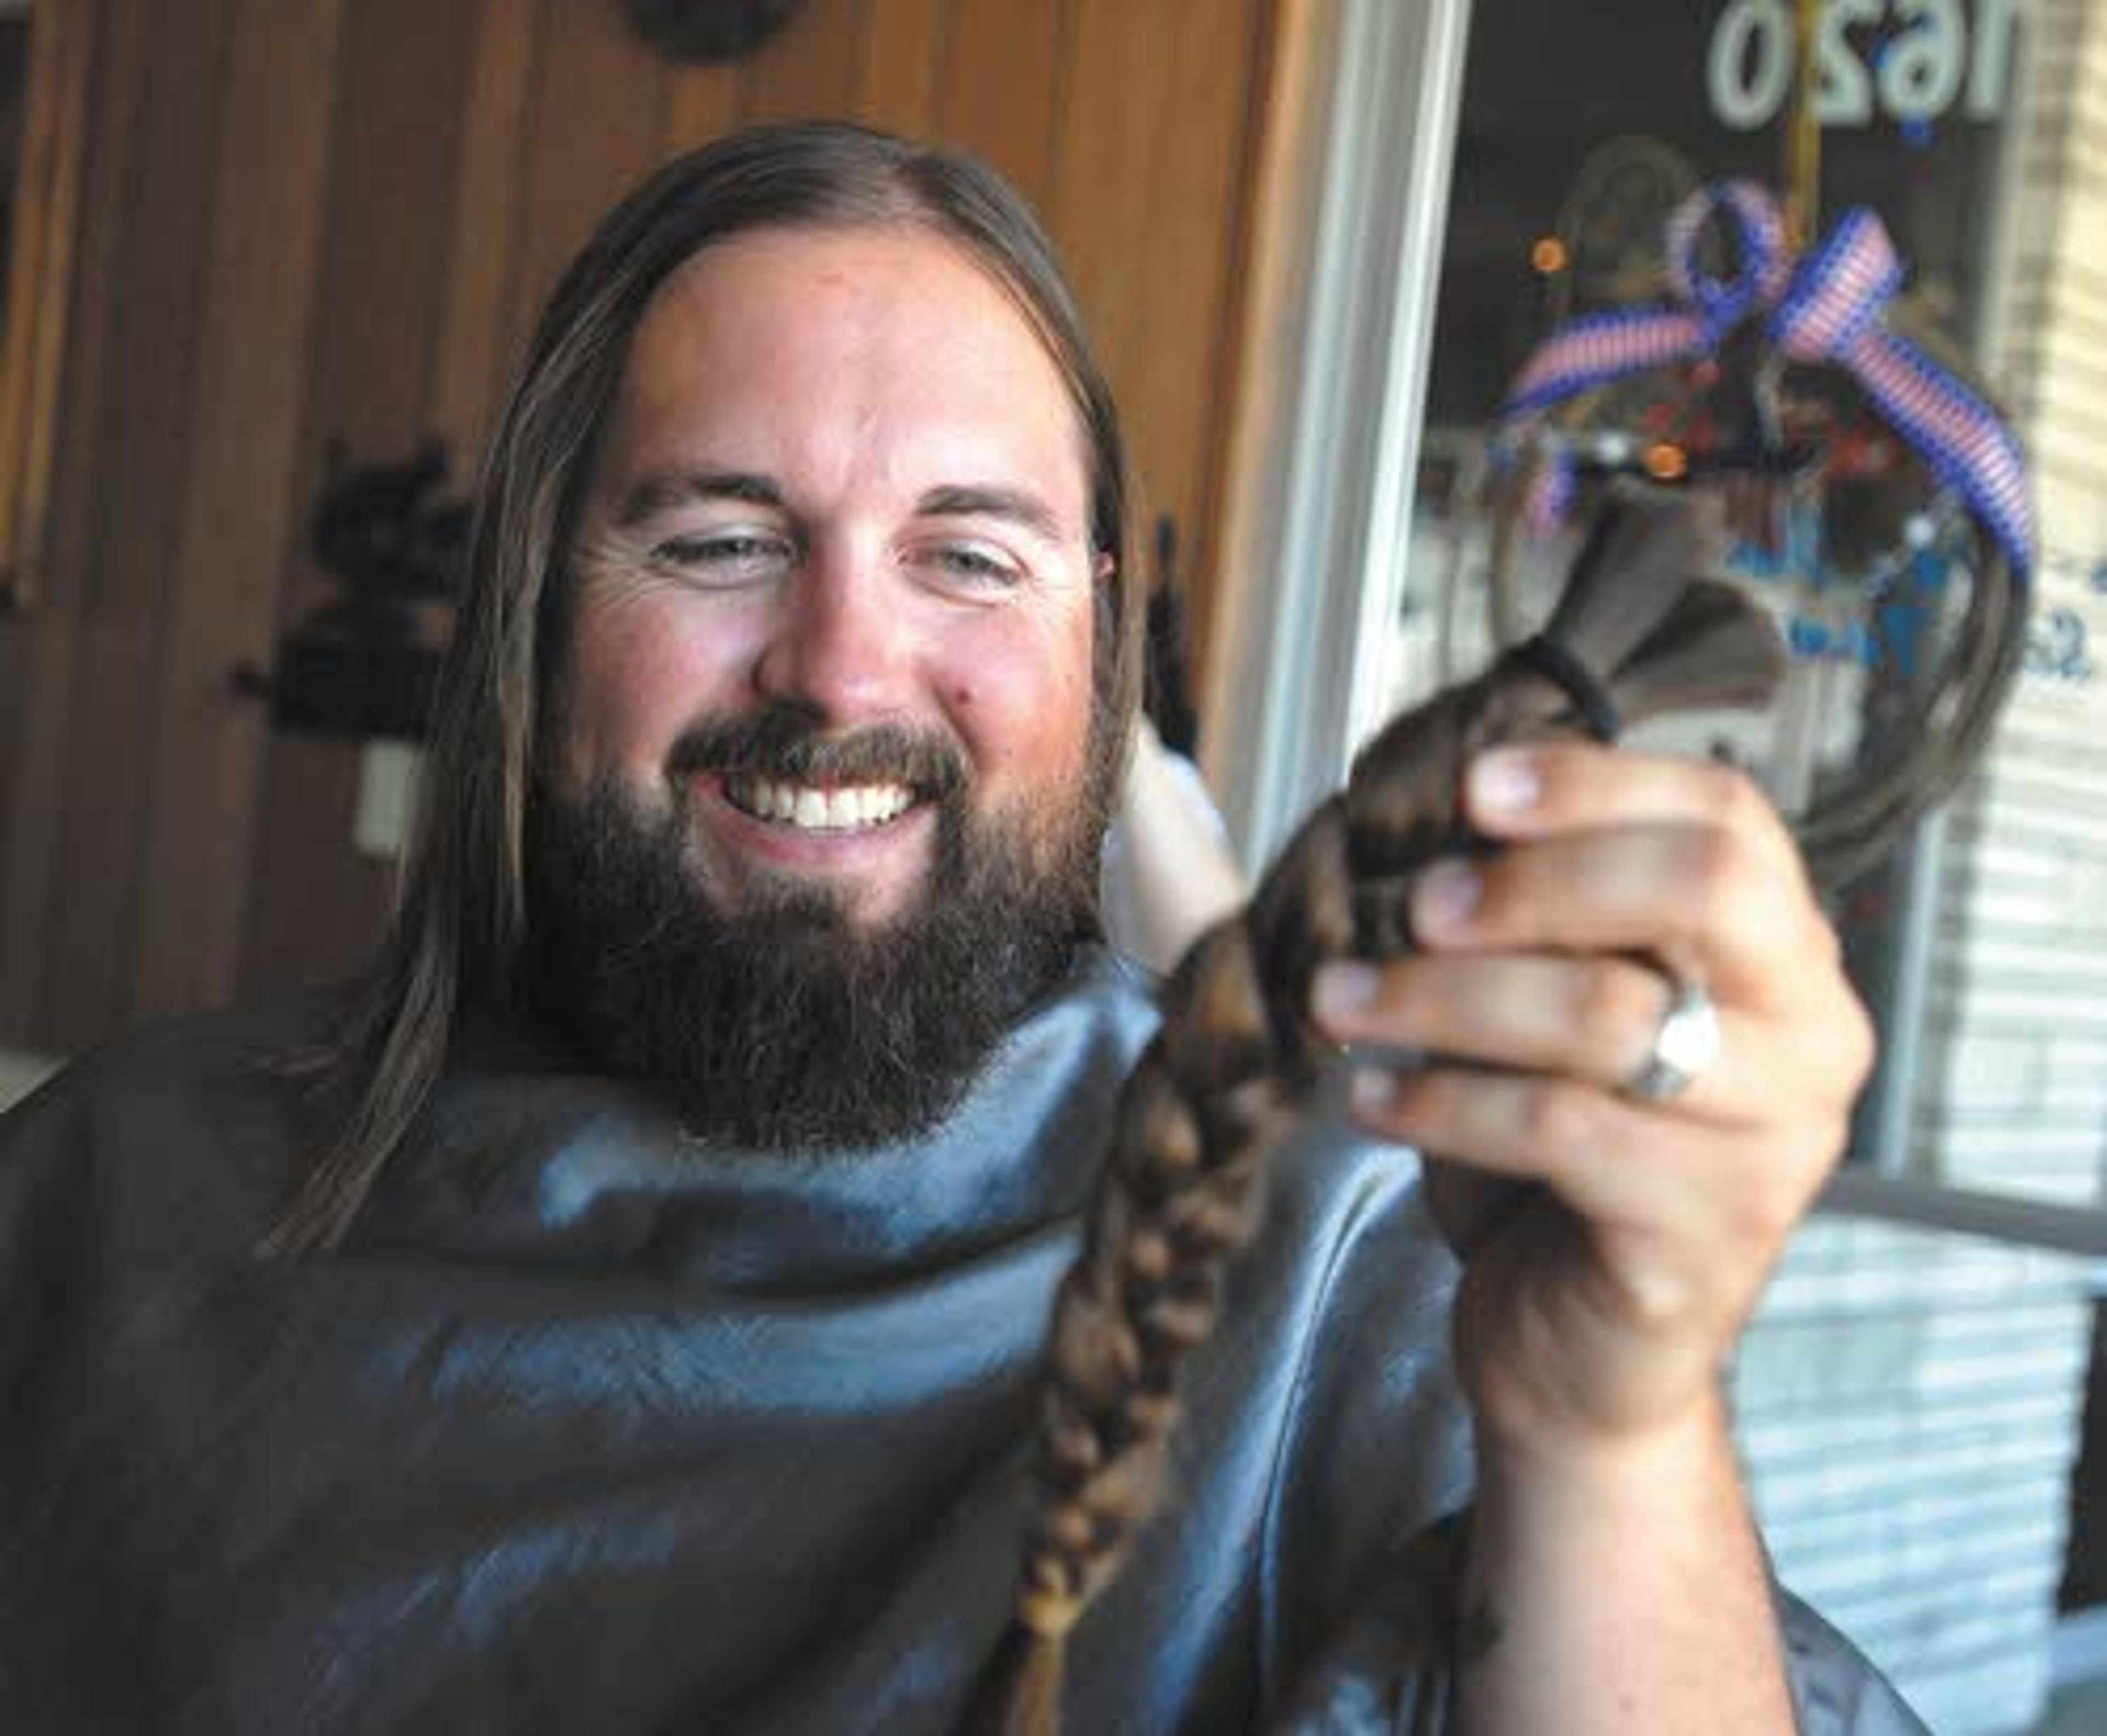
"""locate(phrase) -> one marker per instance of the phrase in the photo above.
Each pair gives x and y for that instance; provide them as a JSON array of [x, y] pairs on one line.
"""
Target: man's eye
[[971, 564], [721, 555]]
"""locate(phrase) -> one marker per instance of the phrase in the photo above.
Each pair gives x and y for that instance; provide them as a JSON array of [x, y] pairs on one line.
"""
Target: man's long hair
[[461, 925]]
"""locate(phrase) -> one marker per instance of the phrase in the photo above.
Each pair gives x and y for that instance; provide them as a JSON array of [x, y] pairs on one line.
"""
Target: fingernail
[[1342, 989], [1372, 1091], [1504, 783], [1445, 897]]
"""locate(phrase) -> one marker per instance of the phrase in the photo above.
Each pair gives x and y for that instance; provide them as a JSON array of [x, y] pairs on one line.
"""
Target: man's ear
[[1103, 566]]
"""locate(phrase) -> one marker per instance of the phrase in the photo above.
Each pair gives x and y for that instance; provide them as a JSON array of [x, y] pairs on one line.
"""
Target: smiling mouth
[[851, 807]]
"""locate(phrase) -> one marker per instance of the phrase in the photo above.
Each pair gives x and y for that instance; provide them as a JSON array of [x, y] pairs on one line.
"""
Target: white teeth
[[814, 810]]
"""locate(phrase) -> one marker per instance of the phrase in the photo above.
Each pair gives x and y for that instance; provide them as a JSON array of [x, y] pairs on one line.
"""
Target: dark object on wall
[[708, 29], [1167, 690], [385, 532], [366, 662]]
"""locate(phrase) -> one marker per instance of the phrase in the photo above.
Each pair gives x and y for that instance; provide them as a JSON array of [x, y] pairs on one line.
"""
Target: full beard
[[785, 1024]]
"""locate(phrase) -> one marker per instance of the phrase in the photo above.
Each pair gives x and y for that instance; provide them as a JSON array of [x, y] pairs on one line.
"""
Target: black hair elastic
[[1573, 678]]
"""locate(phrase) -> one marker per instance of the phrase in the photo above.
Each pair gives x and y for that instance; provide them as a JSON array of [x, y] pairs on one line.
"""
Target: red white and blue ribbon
[[1827, 308]]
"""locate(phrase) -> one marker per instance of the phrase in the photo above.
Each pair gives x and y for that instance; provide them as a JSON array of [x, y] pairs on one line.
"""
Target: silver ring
[[1686, 1043]]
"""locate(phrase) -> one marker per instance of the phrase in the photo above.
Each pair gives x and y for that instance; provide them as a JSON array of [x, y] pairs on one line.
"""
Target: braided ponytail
[[1634, 636]]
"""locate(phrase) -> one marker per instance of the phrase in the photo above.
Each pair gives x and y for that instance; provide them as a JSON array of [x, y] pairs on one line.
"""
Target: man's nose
[[842, 642]]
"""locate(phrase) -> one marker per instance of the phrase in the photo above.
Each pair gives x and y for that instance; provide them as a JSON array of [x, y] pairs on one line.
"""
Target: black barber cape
[[592, 1428]]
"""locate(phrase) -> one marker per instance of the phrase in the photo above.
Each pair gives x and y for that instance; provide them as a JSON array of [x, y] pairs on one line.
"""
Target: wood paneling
[[701, 102], [809, 71], [593, 127], [488, 218], [901, 70], [238, 519], [323, 218], [44, 226], [37, 664], [371, 363], [1155, 255], [1186, 373], [1008, 72], [374, 347], [72, 929], [1099, 205]]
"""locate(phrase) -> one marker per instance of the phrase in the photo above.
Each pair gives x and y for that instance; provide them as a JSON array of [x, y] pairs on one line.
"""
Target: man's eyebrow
[[649, 495], [1019, 505]]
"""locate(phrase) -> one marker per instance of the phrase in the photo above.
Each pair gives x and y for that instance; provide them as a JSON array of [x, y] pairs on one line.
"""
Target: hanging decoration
[[1870, 490], [1827, 309], [365, 662]]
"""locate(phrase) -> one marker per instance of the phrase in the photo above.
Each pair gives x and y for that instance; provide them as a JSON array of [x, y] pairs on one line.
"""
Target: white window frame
[[1322, 463]]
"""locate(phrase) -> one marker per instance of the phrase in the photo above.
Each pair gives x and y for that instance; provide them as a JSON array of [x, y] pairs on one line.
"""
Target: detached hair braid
[[1635, 635], [461, 928]]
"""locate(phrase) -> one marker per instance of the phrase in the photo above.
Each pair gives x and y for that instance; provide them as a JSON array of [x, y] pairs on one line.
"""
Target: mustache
[[789, 744]]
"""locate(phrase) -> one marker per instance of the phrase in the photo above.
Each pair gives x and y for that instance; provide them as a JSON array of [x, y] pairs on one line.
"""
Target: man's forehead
[[892, 330], [902, 269]]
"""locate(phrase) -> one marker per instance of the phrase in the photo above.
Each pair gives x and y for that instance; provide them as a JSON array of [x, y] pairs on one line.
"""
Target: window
[[1911, 1399]]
